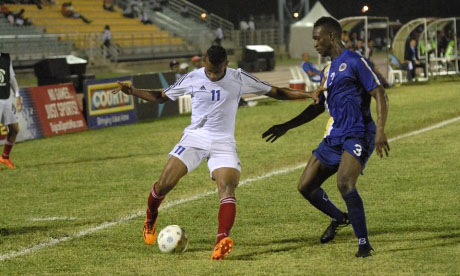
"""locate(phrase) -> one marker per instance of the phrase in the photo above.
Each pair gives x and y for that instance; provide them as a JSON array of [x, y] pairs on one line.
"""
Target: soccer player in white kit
[[215, 91], [8, 116]]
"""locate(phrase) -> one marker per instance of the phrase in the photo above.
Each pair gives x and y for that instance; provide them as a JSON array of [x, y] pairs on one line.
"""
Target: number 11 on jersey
[[215, 95]]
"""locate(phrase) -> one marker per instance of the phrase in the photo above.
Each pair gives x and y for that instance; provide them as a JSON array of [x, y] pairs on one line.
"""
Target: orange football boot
[[149, 231], [222, 249], [7, 162]]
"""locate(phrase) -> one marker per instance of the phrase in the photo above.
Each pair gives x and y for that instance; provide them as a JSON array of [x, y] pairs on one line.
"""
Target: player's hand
[[381, 144], [274, 133], [18, 104], [126, 88], [315, 94]]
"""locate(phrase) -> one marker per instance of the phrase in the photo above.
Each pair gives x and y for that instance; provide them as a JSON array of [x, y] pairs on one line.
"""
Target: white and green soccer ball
[[172, 239]]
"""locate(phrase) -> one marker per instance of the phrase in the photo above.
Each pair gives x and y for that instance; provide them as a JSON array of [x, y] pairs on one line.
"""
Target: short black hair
[[330, 24], [216, 54]]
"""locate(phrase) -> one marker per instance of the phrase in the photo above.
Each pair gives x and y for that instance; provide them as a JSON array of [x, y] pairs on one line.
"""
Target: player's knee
[[13, 130], [164, 185], [305, 189], [227, 188], [345, 184]]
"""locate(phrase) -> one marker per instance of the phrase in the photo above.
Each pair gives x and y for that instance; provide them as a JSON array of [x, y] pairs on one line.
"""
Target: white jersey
[[214, 104]]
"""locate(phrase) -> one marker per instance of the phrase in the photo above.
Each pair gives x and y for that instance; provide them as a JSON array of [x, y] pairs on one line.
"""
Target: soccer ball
[[172, 239]]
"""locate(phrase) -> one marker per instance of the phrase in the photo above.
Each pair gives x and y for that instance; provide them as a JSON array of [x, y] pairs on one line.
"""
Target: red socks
[[153, 204], [226, 217], [7, 149]]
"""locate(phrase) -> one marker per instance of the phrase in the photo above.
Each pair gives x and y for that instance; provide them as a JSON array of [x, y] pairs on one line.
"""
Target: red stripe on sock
[[7, 149], [153, 204], [226, 217]]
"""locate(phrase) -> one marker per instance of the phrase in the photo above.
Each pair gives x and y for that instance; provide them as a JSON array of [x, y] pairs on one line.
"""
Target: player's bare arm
[[293, 94], [151, 95], [381, 141], [310, 113]]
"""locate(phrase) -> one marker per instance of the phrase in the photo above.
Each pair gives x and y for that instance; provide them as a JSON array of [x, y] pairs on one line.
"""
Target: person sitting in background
[[67, 10], [395, 64], [196, 62], [20, 20], [310, 69], [108, 5], [4, 9]]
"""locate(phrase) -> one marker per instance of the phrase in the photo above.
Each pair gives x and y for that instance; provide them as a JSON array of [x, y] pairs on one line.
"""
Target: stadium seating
[[129, 34]]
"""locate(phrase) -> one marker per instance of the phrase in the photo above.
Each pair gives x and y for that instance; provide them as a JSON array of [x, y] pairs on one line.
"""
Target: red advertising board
[[57, 109]]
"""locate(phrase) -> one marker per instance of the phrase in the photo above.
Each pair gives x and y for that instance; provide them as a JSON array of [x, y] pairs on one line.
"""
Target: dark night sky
[[404, 10]]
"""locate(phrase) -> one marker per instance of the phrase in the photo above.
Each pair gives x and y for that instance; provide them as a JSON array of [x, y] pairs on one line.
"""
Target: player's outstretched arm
[[151, 95], [310, 113], [293, 94], [381, 141]]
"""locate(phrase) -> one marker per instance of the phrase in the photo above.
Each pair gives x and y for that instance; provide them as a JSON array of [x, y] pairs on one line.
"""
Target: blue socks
[[321, 201], [357, 217]]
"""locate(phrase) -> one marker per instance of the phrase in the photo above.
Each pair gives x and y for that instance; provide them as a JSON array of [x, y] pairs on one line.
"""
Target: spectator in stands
[[10, 18], [20, 20], [196, 62], [67, 10], [164, 2], [108, 5], [156, 5], [411, 55], [346, 40], [183, 68], [244, 25], [4, 9], [106, 40], [397, 65], [251, 24], [174, 66], [308, 67], [219, 36], [184, 11]]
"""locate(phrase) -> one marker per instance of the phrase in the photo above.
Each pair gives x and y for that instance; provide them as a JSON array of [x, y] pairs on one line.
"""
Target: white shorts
[[8, 114], [193, 149]]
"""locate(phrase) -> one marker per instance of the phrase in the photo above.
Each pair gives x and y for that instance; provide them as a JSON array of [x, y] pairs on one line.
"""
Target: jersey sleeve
[[251, 84], [366, 74], [181, 87]]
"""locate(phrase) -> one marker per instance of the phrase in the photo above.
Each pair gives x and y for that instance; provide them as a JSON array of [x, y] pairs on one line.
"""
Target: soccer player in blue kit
[[351, 134]]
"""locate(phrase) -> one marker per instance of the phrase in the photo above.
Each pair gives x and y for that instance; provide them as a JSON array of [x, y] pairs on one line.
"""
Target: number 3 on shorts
[[357, 150]]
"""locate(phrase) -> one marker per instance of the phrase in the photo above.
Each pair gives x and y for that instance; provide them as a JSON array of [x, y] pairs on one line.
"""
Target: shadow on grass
[[86, 160], [23, 230]]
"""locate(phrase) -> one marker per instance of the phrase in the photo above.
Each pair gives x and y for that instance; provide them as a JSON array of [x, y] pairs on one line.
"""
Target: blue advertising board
[[103, 108]]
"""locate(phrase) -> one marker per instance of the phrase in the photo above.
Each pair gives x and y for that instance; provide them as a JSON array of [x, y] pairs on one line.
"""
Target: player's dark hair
[[330, 24], [216, 54]]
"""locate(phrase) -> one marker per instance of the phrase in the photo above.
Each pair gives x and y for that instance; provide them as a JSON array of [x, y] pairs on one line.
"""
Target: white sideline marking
[[105, 225], [52, 218]]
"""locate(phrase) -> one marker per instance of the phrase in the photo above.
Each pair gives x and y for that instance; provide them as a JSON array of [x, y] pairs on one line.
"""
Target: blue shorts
[[329, 152]]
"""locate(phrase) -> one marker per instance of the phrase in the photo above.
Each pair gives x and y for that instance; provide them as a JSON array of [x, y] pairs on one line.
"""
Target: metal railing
[[89, 45], [256, 37], [213, 21]]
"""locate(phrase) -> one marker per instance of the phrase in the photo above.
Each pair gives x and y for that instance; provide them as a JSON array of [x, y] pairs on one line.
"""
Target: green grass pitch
[[104, 176]]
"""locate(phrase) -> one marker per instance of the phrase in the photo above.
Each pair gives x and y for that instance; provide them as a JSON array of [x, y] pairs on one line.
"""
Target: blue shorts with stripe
[[329, 152]]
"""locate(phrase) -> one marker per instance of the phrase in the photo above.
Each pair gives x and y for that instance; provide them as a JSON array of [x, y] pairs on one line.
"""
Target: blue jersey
[[349, 79]]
